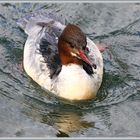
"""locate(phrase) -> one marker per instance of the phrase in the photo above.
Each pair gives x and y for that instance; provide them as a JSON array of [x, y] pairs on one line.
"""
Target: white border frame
[[69, 1]]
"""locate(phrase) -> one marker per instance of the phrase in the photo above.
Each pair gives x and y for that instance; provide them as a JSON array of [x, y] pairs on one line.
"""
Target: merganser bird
[[60, 58]]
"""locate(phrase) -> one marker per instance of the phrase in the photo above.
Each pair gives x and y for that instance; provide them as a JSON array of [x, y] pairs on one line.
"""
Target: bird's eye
[[72, 46]]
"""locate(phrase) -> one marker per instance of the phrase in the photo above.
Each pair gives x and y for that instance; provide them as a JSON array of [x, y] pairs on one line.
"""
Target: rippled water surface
[[27, 110]]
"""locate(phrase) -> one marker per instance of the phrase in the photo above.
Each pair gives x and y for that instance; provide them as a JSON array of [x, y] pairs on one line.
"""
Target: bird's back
[[41, 60]]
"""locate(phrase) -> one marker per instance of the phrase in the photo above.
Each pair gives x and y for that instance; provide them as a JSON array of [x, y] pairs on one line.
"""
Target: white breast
[[74, 83]]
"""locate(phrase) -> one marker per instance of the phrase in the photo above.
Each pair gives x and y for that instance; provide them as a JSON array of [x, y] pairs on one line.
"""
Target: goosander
[[60, 58]]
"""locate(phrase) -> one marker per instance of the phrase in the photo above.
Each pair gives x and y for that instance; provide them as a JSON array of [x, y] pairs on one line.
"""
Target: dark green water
[[26, 110]]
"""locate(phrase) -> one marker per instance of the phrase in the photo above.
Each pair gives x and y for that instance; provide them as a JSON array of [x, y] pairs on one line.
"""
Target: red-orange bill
[[85, 58]]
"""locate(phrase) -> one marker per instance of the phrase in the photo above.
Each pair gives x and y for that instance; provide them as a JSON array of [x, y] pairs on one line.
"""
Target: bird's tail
[[30, 21]]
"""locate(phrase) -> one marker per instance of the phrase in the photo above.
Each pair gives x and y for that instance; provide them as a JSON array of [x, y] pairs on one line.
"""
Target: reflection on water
[[27, 110], [63, 121], [67, 118]]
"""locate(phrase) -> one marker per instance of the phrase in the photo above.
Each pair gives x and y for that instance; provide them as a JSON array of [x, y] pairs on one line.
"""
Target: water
[[27, 110]]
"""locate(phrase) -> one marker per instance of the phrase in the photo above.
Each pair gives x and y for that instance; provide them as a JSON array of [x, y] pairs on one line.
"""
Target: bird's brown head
[[72, 46]]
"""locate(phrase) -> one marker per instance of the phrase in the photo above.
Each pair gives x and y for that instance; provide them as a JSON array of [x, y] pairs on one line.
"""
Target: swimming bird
[[61, 58]]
